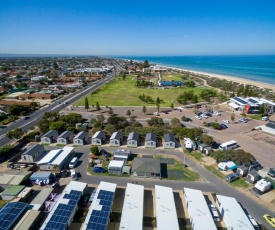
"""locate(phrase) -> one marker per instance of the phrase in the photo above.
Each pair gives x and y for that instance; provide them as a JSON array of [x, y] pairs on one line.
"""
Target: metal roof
[[148, 165], [133, 136], [33, 147], [234, 212], [132, 211], [169, 137], [99, 134], [81, 135], [13, 190], [50, 133], [198, 210], [39, 200], [165, 209], [27, 220], [239, 100], [116, 135], [56, 157], [66, 134], [116, 164], [151, 137]]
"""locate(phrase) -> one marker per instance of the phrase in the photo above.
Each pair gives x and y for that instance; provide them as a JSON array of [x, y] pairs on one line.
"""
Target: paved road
[[211, 183], [54, 107]]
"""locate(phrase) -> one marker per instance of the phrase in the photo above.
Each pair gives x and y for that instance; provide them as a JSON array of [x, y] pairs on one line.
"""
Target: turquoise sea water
[[257, 68]]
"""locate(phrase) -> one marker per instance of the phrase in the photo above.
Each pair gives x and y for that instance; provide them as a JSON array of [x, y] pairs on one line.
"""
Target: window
[[25, 158]]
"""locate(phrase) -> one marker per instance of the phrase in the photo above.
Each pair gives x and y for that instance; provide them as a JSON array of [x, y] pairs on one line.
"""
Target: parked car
[[156, 113], [223, 126], [26, 118], [204, 115], [231, 177], [84, 200], [226, 121], [104, 153], [92, 196], [253, 222], [99, 170], [197, 117], [214, 212], [271, 172], [216, 113], [243, 120], [265, 118], [269, 219]]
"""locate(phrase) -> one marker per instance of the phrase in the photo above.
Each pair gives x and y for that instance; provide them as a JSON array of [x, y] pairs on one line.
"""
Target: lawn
[[170, 77], [198, 156], [256, 117], [125, 93], [3, 202], [215, 171], [240, 183], [188, 174]]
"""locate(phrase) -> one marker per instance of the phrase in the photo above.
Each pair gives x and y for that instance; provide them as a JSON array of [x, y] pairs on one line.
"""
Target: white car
[[214, 212], [199, 118], [156, 113], [243, 120], [226, 121], [204, 116], [265, 118], [215, 113]]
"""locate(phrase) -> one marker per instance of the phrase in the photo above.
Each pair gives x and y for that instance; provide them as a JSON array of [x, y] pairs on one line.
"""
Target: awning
[[233, 105]]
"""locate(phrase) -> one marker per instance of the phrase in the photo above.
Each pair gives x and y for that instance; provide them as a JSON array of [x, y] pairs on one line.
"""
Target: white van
[[73, 162]]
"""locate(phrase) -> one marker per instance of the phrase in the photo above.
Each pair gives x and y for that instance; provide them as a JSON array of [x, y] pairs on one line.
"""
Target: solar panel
[[59, 220], [253, 101], [99, 218], [239, 100], [10, 213]]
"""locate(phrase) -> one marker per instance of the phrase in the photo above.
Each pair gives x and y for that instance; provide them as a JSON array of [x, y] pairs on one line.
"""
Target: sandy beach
[[229, 78]]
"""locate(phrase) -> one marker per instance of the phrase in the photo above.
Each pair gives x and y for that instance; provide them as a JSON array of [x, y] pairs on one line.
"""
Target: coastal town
[[104, 143]]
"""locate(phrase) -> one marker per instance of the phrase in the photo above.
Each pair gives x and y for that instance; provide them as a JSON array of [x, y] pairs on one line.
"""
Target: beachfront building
[[166, 213], [232, 213], [251, 105], [132, 211]]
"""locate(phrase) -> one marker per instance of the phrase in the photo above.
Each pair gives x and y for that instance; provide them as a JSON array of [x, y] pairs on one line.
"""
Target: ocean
[[257, 68]]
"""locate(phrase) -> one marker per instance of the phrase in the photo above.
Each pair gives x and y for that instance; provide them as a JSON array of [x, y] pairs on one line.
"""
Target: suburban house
[[133, 139], [81, 138], [33, 153], [150, 140], [146, 167], [99, 138], [115, 167], [116, 139], [56, 159], [122, 154], [169, 141], [49, 137], [65, 137]]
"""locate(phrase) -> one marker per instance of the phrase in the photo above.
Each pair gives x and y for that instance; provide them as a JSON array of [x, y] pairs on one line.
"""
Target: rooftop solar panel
[[240, 100], [253, 101], [10, 213], [99, 218]]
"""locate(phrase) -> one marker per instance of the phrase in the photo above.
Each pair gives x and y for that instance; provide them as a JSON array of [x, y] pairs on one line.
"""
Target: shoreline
[[226, 77]]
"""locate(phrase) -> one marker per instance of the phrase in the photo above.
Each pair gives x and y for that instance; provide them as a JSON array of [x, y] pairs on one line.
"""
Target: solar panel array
[[239, 100], [253, 101], [60, 218], [10, 213], [99, 219]]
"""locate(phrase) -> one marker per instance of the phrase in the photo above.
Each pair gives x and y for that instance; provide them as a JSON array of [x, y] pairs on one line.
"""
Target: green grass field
[[169, 77], [125, 93]]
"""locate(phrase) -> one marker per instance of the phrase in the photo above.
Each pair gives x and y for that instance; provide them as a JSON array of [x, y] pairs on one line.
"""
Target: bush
[[215, 125], [94, 150]]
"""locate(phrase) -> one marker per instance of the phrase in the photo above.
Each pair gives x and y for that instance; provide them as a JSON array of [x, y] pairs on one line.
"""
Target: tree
[[172, 106], [97, 107], [94, 150], [262, 109], [195, 99], [158, 101], [55, 65], [5, 151], [144, 109], [158, 107], [146, 64], [16, 133], [243, 115], [246, 90], [110, 129], [175, 122], [111, 111], [128, 113], [207, 94], [233, 117], [60, 126], [71, 119], [86, 103], [100, 118], [208, 140]]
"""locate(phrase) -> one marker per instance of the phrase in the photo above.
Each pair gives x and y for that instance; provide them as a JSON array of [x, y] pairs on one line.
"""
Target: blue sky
[[114, 27]]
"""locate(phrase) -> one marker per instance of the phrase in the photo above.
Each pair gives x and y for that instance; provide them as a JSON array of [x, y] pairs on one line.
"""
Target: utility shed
[[132, 211], [232, 213], [100, 209], [28, 221], [165, 209], [199, 213], [11, 192]]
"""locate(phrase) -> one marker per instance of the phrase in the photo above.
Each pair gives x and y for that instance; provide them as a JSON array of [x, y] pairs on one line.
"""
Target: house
[[252, 177], [65, 137], [98, 138], [242, 171], [150, 140], [146, 167], [169, 141], [81, 138], [33, 153], [116, 139], [57, 158], [122, 154], [14, 177], [205, 149], [115, 167], [133, 139], [49, 137]]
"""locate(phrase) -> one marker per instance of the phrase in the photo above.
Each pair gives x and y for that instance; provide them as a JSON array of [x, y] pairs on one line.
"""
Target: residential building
[[116, 139], [122, 154], [133, 140], [169, 141], [150, 140], [33, 153], [65, 138], [82, 138], [146, 167], [99, 138], [49, 137], [115, 167]]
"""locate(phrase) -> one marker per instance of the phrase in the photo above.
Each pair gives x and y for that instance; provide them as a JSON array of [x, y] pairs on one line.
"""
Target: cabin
[[49, 137], [252, 177], [116, 139], [150, 140], [133, 140], [33, 153], [242, 171], [99, 138], [82, 138], [65, 138], [169, 141]]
